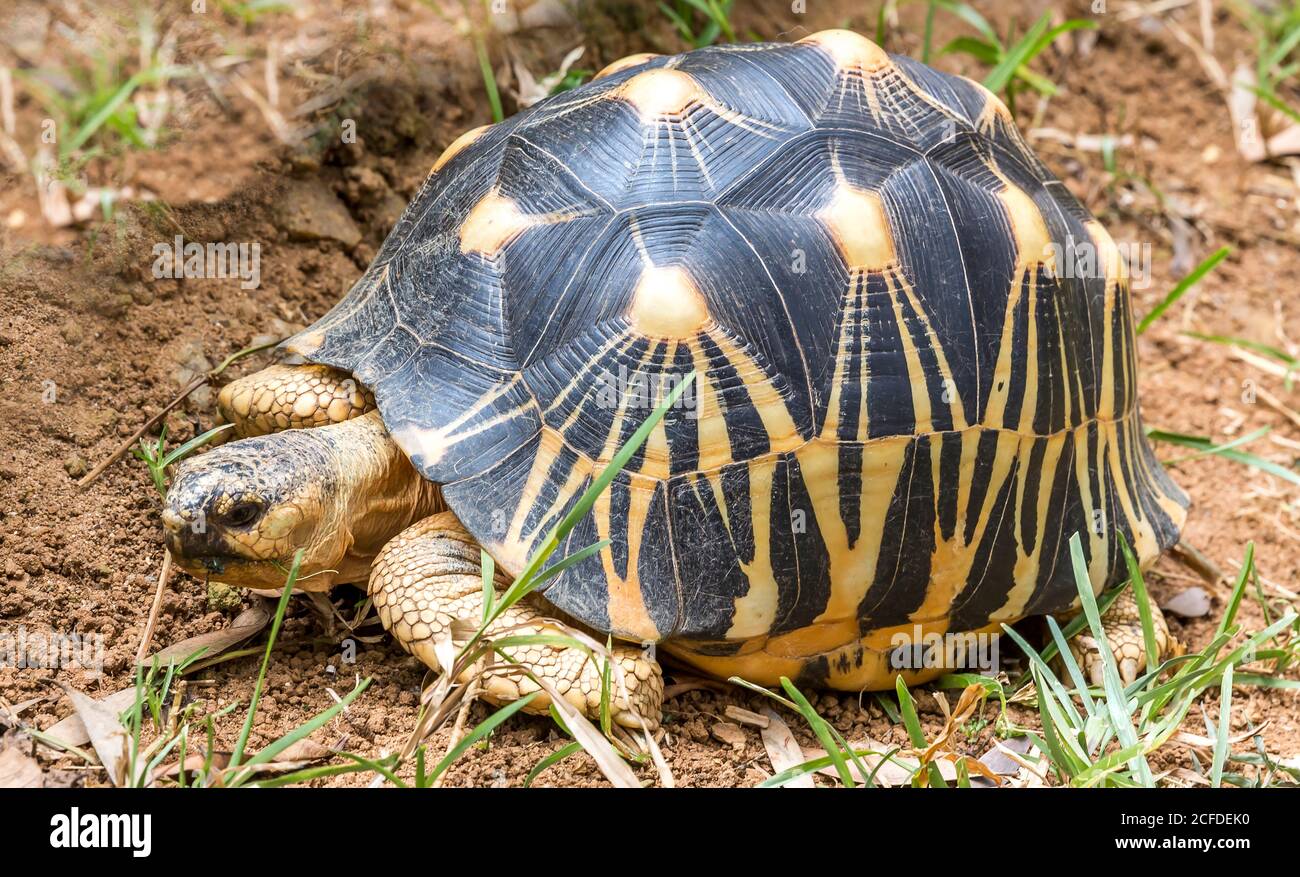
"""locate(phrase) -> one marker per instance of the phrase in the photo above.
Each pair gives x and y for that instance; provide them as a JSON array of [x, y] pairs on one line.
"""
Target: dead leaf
[[193, 764], [896, 771], [72, 731], [1203, 742], [783, 750], [1002, 764], [296, 757], [531, 89], [306, 749], [967, 704], [106, 733], [246, 624], [18, 770]]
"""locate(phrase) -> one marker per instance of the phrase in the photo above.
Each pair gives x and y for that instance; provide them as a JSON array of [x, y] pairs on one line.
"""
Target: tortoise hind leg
[[292, 397], [428, 587], [1122, 622]]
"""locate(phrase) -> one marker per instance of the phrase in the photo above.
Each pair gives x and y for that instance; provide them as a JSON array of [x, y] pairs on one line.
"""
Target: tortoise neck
[[378, 494]]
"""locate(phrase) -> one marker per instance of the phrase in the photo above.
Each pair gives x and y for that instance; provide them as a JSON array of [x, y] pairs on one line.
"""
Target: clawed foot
[[1122, 623]]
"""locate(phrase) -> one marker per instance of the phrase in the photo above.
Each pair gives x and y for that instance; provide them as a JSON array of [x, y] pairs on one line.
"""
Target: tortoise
[[916, 380]]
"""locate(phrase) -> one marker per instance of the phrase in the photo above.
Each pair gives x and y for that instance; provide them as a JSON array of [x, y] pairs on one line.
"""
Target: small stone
[[311, 212], [72, 333], [201, 399], [742, 716], [223, 597], [729, 733], [1191, 603]]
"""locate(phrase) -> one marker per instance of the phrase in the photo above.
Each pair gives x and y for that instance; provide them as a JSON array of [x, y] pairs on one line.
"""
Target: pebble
[[729, 733], [311, 212], [75, 466]]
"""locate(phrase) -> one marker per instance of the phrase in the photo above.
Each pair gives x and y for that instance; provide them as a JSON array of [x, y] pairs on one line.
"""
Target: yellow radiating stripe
[[1095, 512], [771, 408], [1004, 368], [916, 377], [654, 452], [713, 441], [1108, 254], [548, 449], [830, 427], [1145, 545], [582, 379], [957, 412], [628, 616], [1173, 509], [1028, 566], [852, 569], [1066, 384], [1087, 504], [1032, 376], [756, 610], [950, 567]]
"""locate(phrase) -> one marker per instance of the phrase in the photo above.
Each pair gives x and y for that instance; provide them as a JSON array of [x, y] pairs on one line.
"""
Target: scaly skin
[[1122, 623], [239, 511], [428, 587], [292, 397]]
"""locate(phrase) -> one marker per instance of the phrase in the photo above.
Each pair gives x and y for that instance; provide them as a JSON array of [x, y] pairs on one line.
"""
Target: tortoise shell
[[914, 350]]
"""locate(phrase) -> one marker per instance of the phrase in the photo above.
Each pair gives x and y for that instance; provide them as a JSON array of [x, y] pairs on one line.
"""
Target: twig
[[1278, 405], [1150, 10], [1193, 559], [121, 449], [146, 639], [149, 424]]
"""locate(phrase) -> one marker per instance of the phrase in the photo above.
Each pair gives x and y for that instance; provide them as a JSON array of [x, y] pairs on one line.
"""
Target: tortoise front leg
[[428, 587], [292, 397], [1122, 622]]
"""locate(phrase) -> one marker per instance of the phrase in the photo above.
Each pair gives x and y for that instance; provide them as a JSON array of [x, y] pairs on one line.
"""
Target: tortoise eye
[[243, 514]]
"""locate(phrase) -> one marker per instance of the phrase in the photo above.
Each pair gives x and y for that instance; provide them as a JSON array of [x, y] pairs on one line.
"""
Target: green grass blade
[[912, 722], [1228, 452], [489, 78], [195, 443], [822, 730], [554, 758], [487, 726], [1143, 601], [974, 19], [237, 756], [1017, 56], [1192, 278], [1116, 704], [1221, 739]]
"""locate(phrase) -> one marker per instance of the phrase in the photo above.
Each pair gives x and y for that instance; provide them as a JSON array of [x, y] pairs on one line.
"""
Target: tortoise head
[[239, 512]]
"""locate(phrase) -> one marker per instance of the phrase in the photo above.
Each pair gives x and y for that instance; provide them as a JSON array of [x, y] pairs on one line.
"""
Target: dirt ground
[[92, 344]]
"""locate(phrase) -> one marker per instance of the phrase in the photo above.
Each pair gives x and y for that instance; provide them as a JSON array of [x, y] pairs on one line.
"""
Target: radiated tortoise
[[915, 382]]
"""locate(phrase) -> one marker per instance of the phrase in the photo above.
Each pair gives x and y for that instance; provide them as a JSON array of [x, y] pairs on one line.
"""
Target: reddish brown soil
[[80, 308]]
